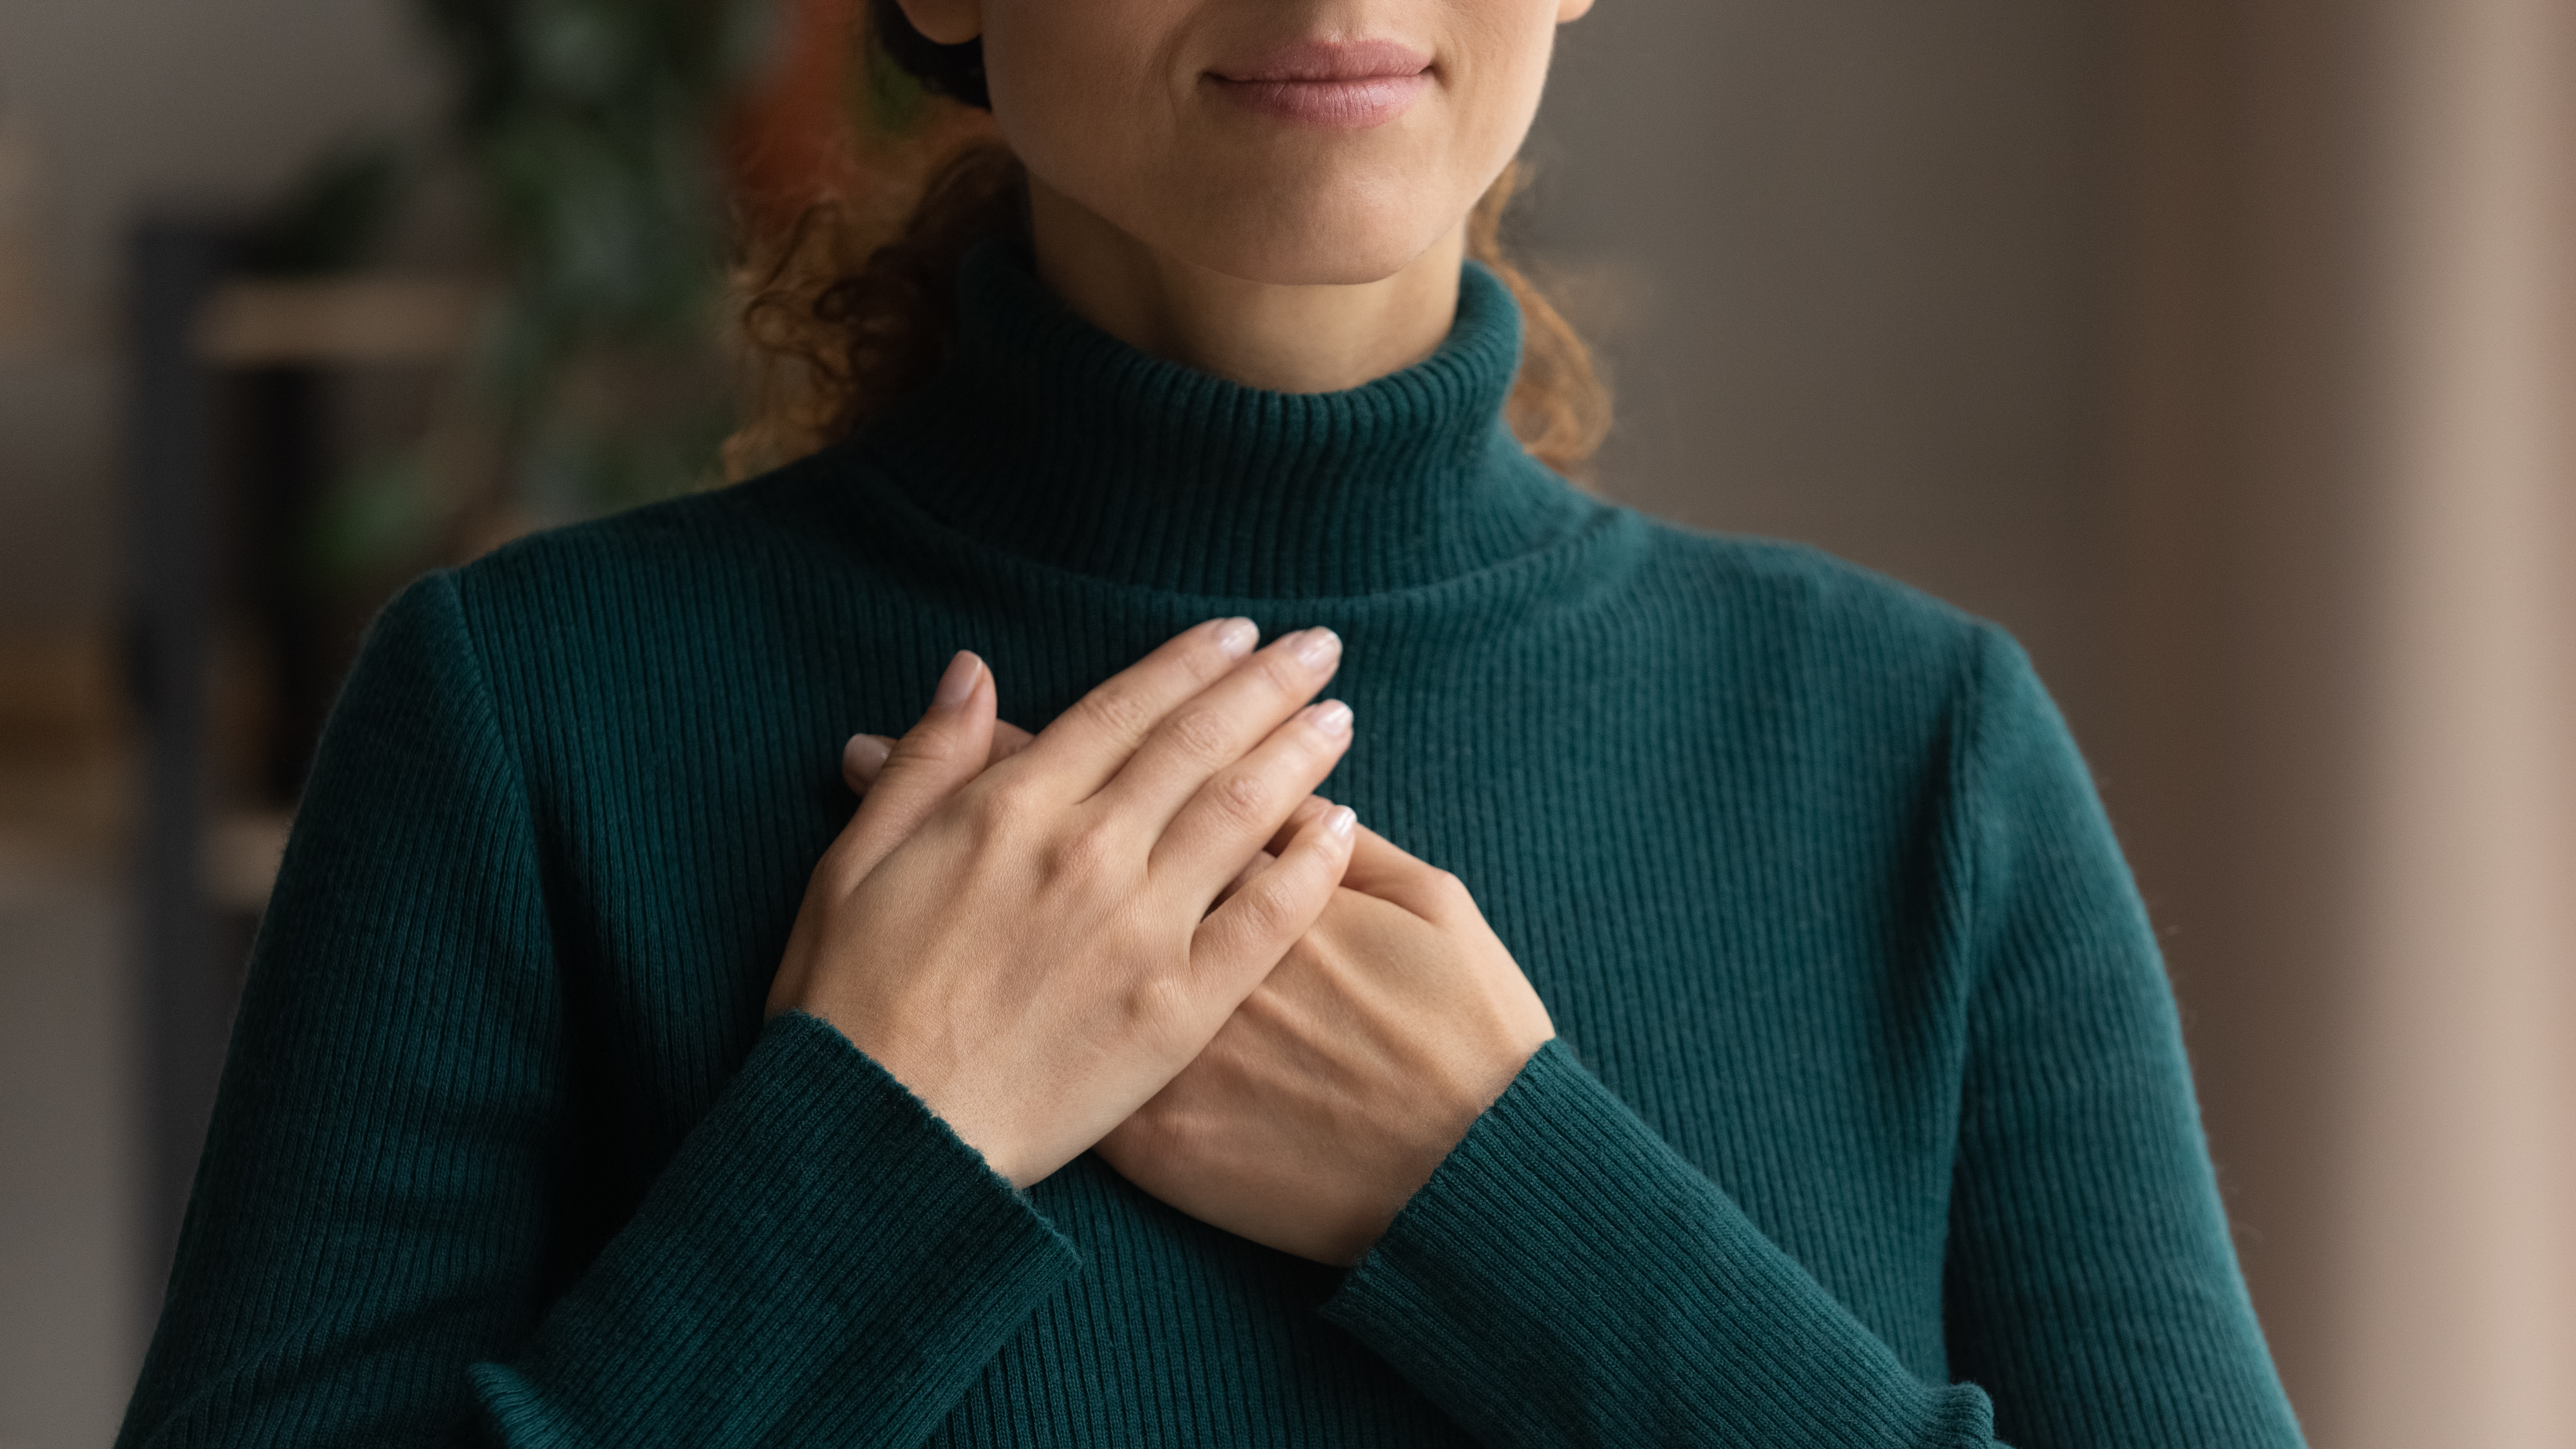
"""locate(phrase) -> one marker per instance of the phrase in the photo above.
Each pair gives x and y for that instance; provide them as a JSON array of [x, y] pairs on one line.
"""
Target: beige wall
[[2217, 347], [2345, 658], [2458, 1211], [2234, 736], [1852, 249]]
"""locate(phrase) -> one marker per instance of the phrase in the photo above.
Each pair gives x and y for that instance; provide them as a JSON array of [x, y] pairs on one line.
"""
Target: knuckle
[[1283, 674], [1242, 798], [997, 812], [938, 738], [1085, 851], [1117, 713], [1270, 907], [918, 762], [917, 778], [1202, 735], [1159, 1003]]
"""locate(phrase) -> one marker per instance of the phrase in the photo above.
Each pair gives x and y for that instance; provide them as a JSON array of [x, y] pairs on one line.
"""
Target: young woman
[[1732, 1024]]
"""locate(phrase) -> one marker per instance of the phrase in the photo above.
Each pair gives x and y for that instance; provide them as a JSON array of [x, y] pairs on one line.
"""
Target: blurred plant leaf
[[590, 128], [896, 101], [382, 513]]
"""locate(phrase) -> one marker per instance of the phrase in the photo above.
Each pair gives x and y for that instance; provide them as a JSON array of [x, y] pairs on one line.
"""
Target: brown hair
[[842, 318]]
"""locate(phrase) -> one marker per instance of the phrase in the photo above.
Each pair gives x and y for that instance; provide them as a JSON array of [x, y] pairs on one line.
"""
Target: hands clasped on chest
[[1140, 932]]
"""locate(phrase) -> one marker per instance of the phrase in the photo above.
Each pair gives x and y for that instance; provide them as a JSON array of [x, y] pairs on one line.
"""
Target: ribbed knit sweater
[[1868, 1123]]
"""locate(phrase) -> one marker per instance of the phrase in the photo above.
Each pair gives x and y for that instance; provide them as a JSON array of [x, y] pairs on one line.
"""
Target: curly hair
[[853, 309]]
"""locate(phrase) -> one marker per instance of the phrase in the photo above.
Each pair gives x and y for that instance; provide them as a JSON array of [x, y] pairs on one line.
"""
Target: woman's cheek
[[1503, 51]]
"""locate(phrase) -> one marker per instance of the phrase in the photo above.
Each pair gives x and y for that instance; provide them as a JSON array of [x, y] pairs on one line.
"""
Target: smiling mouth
[[1344, 86]]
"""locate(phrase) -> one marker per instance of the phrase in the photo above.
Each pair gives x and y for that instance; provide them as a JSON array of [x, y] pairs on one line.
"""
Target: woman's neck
[[1286, 338]]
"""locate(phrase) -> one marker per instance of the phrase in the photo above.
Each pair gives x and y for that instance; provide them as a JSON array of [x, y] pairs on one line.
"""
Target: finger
[[1260, 862], [1307, 809], [1087, 744], [861, 758], [1243, 805], [1381, 868], [1217, 728], [940, 754], [1313, 806], [1240, 941], [865, 755], [1008, 740]]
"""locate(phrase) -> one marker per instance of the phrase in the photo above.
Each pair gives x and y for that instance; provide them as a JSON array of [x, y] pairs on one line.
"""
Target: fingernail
[[1333, 717], [1342, 821], [865, 755], [1317, 648], [1236, 637], [959, 681]]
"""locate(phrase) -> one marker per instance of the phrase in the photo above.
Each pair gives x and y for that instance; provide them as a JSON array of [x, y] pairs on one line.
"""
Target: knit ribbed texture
[[1057, 443], [1868, 1123]]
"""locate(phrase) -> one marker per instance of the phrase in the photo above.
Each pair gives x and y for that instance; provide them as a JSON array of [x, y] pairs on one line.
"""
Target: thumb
[[865, 755], [920, 771]]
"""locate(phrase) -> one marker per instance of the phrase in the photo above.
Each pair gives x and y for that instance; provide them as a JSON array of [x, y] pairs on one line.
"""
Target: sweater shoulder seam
[[488, 702], [1969, 770]]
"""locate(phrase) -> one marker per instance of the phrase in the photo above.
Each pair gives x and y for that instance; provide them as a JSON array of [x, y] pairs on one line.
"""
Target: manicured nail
[[865, 755], [1236, 637], [959, 681], [1333, 718], [1317, 648], [1342, 820]]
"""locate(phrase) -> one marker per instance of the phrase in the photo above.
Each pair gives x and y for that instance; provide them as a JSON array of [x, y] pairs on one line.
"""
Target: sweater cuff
[[1566, 1277], [822, 1254]]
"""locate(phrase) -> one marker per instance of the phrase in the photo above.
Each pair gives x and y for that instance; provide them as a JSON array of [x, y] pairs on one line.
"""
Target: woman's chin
[[1317, 244], [1307, 266]]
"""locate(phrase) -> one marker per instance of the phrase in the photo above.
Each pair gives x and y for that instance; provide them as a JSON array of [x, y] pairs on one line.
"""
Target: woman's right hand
[[1030, 948]]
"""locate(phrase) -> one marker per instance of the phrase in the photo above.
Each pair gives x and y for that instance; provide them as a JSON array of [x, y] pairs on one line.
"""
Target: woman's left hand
[[1343, 1081]]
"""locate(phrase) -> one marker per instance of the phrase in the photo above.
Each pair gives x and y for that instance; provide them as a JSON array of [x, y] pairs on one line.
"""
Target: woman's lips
[[1319, 83]]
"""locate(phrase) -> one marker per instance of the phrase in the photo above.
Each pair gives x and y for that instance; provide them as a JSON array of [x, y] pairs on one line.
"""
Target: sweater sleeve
[[1566, 1277], [2091, 1285], [374, 1251]]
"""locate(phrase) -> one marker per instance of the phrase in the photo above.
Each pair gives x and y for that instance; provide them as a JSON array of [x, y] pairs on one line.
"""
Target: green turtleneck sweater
[[1868, 1124]]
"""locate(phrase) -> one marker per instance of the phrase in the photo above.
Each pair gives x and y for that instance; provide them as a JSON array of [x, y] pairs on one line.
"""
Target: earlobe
[[955, 22]]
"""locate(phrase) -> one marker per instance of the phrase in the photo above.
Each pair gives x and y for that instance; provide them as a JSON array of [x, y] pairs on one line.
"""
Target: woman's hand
[[1347, 1076], [1030, 947]]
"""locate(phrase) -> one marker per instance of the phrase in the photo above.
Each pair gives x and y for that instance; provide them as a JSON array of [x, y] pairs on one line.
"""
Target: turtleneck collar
[[1050, 439]]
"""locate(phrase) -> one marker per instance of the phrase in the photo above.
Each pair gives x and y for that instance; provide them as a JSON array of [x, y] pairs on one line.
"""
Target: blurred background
[[2225, 350]]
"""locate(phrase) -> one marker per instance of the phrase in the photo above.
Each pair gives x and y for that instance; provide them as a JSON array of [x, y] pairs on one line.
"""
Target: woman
[[1815, 1081]]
